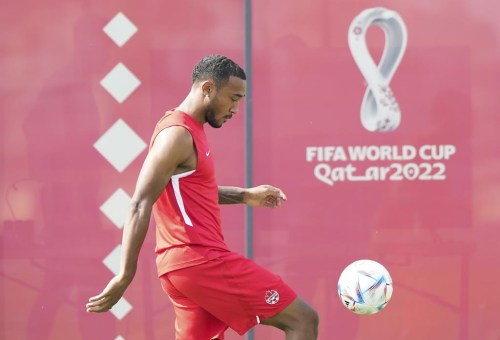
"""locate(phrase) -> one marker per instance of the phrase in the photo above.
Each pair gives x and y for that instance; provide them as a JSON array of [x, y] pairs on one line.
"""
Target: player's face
[[226, 102]]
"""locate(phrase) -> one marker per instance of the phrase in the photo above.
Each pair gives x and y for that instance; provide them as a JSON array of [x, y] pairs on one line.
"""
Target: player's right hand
[[109, 296]]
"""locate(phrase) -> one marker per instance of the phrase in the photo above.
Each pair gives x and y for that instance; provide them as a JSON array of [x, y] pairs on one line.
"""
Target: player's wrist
[[126, 277], [246, 196]]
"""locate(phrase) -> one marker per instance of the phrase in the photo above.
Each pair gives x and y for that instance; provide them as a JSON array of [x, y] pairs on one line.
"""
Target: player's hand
[[109, 296], [264, 196]]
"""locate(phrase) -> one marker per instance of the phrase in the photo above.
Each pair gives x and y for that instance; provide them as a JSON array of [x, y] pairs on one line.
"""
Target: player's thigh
[[195, 323], [235, 290], [192, 322]]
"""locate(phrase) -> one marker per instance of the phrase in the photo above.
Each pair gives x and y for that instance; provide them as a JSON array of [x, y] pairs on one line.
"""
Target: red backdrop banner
[[389, 153]]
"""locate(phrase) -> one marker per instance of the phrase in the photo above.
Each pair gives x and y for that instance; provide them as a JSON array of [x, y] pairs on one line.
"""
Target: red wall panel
[[54, 236], [424, 223]]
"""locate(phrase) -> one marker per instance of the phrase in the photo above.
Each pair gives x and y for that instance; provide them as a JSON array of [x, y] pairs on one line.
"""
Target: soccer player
[[211, 287]]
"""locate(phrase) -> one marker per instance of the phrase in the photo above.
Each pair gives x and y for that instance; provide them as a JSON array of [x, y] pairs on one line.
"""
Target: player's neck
[[192, 106]]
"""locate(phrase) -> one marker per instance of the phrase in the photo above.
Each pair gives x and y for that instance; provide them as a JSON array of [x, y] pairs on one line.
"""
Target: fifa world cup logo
[[380, 110]]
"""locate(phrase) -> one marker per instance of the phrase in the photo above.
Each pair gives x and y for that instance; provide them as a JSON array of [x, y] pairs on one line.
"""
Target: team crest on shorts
[[272, 297]]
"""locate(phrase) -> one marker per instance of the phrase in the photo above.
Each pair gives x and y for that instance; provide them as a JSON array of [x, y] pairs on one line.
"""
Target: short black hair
[[218, 68]]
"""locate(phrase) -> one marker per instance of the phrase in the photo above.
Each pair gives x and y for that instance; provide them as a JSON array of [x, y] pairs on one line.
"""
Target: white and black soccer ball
[[365, 287]]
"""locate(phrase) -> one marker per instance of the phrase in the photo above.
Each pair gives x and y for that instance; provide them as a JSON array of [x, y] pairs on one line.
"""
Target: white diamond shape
[[121, 308], [112, 261], [115, 207], [119, 337], [120, 29], [120, 82], [120, 145]]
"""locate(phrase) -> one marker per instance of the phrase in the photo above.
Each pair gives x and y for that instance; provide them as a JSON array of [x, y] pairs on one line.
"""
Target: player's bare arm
[[262, 195], [171, 153]]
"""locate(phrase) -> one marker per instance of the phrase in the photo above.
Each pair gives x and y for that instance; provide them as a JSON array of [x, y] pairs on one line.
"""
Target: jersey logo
[[207, 153], [272, 297]]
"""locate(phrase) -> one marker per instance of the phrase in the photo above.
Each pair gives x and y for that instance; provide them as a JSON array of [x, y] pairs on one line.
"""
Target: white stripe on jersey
[[178, 197]]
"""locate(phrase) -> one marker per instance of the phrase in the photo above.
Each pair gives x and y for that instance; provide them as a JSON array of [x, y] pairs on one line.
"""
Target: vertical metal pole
[[248, 127], [248, 135]]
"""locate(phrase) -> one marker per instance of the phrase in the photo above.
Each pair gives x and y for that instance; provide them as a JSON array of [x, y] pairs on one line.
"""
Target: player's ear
[[208, 87]]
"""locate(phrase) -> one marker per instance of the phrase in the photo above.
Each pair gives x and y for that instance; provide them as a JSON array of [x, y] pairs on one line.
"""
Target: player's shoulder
[[175, 133], [172, 147], [172, 132]]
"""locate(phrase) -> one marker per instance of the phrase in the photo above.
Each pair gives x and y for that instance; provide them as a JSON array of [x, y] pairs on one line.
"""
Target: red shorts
[[229, 291]]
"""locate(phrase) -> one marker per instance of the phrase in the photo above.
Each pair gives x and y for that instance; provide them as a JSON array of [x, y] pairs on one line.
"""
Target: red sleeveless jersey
[[187, 213]]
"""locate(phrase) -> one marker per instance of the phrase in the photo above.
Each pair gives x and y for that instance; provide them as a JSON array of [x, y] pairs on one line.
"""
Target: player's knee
[[315, 318], [311, 318], [297, 318], [307, 320]]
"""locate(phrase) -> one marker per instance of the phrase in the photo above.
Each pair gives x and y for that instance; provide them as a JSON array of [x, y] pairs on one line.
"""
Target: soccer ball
[[365, 287]]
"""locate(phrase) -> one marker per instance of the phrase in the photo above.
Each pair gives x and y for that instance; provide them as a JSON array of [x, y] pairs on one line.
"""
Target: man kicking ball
[[211, 287]]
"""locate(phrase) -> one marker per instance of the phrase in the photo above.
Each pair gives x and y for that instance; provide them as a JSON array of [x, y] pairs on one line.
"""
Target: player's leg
[[192, 322], [242, 294], [215, 287], [298, 320]]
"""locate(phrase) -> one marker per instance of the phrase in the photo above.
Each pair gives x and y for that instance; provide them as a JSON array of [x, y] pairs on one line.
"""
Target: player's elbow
[[140, 206]]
